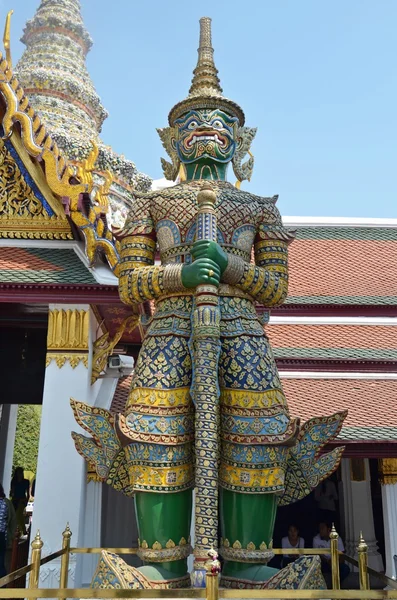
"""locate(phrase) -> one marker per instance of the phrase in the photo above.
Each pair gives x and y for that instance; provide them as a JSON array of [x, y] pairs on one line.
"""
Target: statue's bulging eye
[[193, 125], [217, 123]]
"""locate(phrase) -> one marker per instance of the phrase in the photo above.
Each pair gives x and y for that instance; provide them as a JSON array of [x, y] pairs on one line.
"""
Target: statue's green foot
[[304, 573], [247, 572], [113, 572]]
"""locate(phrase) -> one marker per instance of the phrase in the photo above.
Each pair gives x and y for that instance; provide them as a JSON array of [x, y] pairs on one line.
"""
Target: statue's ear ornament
[[168, 139], [244, 138]]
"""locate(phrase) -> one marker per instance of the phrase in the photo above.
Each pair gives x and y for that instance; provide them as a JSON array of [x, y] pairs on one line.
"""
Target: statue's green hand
[[201, 271], [211, 250]]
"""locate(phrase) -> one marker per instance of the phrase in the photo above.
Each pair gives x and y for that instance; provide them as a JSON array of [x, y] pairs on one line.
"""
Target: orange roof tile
[[121, 395], [322, 267], [372, 404], [18, 259], [332, 336]]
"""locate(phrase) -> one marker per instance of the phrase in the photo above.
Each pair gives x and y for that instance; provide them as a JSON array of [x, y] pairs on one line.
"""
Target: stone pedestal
[[357, 513], [388, 480]]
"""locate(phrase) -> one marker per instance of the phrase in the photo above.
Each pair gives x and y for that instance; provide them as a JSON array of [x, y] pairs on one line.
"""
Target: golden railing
[[210, 592]]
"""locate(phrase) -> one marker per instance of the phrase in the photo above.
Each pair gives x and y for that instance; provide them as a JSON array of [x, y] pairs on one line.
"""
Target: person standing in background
[[20, 496], [3, 531], [323, 540]]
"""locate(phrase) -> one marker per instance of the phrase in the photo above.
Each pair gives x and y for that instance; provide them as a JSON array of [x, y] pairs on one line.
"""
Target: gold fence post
[[212, 585], [335, 559], [362, 550], [37, 545], [64, 576]]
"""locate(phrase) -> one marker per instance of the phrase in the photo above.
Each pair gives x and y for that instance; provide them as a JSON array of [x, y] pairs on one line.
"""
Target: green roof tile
[[361, 300], [362, 434], [336, 353], [347, 233]]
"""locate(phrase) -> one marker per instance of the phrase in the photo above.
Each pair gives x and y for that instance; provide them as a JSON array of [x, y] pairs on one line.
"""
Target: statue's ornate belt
[[224, 290]]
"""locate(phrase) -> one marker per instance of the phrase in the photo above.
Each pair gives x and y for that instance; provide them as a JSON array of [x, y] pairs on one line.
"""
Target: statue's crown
[[205, 91]]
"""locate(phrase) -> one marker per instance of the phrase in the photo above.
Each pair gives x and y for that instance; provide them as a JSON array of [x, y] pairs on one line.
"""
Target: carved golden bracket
[[387, 471], [92, 475], [67, 338], [104, 346]]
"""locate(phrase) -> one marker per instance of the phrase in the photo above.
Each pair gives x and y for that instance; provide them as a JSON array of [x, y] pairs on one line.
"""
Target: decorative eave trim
[[365, 222], [365, 449], [65, 293], [336, 375], [356, 366], [331, 320], [330, 309]]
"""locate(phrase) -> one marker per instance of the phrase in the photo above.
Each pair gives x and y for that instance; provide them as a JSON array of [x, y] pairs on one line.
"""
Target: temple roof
[[343, 265], [43, 265], [346, 342], [371, 404]]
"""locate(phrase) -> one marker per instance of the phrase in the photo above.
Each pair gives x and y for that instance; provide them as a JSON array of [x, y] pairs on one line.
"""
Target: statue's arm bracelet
[[172, 279], [234, 271]]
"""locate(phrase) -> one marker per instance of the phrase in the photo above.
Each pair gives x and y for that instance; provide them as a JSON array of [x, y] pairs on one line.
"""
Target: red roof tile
[[18, 259], [121, 395], [370, 402], [342, 268], [332, 336]]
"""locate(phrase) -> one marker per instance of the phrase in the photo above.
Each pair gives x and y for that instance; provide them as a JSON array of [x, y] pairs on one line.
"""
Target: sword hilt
[[206, 230]]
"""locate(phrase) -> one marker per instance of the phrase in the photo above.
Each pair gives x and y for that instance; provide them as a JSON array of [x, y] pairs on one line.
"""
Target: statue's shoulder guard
[[139, 219], [270, 224]]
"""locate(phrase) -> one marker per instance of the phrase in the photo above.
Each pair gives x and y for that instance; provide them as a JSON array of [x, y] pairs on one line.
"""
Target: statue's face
[[206, 135]]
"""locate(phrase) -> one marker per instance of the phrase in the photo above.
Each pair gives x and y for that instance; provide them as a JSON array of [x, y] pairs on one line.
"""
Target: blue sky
[[318, 79]]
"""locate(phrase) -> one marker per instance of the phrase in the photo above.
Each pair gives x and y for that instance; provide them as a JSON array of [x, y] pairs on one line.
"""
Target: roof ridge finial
[[205, 75]]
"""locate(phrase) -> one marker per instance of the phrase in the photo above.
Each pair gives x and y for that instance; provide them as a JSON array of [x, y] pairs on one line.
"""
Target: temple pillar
[[357, 515], [388, 480], [61, 472]]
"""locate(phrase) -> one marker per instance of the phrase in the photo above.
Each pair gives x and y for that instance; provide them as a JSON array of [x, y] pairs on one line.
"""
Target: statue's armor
[[265, 458], [160, 412], [255, 427]]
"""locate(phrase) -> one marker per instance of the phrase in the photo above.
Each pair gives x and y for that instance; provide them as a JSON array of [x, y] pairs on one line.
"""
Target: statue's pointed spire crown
[[205, 75], [206, 91]]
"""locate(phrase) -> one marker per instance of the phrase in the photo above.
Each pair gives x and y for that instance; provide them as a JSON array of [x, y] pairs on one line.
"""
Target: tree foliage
[[27, 436]]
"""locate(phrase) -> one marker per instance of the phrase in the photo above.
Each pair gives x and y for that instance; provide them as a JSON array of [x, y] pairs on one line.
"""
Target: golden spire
[[205, 75], [206, 91]]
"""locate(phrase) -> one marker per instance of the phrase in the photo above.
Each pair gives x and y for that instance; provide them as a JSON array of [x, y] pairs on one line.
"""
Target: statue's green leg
[[247, 524], [164, 519]]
